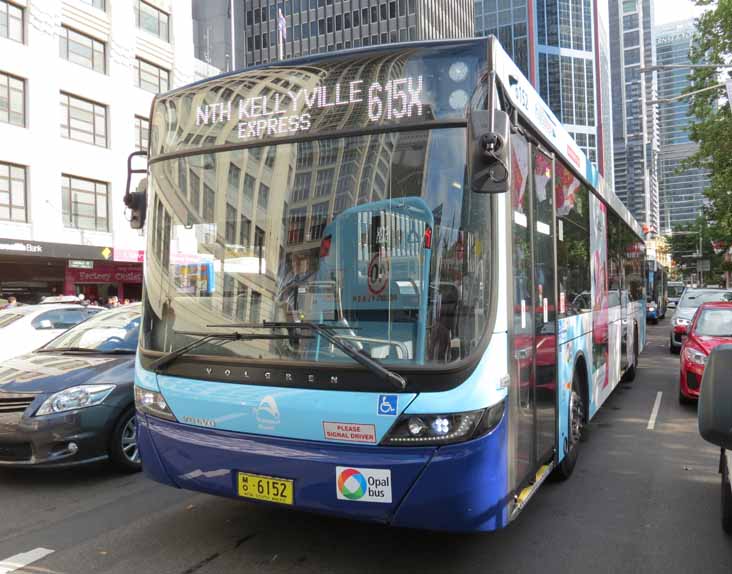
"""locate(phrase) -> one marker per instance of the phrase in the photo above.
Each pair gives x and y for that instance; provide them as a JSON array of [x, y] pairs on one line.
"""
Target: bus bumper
[[457, 488]]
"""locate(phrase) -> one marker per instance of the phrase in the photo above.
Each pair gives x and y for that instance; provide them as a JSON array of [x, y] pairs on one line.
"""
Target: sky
[[674, 10]]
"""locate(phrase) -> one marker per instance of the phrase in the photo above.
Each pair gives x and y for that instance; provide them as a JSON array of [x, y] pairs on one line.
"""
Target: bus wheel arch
[[577, 418]]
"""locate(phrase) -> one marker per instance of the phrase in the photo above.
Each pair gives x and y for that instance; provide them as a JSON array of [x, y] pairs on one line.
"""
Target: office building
[[681, 190], [77, 78], [556, 45], [635, 115], [317, 26]]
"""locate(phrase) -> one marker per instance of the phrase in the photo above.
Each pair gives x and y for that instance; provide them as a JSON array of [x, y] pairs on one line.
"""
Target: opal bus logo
[[363, 484], [267, 413], [352, 484]]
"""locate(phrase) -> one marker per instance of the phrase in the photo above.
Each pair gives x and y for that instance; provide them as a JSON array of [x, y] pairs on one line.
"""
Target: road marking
[[654, 412], [21, 560]]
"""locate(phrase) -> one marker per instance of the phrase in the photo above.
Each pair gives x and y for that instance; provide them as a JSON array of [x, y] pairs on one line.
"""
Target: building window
[[263, 197], [82, 50], [12, 193], [152, 20], [142, 133], [98, 4], [150, 77], [12, 100], [83, 120], [84, 203], [11, 21]]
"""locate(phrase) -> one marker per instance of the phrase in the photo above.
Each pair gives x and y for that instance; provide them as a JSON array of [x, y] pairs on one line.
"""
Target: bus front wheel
[[576, 426]]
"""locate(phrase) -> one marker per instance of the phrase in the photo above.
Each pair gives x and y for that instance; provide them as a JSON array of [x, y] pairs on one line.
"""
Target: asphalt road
[[640, 501]]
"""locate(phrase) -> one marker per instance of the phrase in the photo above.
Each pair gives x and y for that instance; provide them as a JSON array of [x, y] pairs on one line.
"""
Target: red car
[[711, 326]]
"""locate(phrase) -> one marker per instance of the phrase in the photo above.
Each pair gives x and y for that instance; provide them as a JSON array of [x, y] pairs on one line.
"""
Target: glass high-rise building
[[681, 190], [635, 118], [556, 44], [317, 26]]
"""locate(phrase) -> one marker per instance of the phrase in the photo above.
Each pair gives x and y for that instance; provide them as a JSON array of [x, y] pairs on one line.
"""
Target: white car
[[24, 329]]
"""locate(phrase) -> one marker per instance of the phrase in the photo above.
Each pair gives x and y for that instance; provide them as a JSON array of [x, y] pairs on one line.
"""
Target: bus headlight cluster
[[420, 430], [152, 403]]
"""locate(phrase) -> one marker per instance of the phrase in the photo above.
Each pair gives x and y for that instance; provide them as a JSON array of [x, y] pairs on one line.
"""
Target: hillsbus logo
[[352, 484], [363, 484]]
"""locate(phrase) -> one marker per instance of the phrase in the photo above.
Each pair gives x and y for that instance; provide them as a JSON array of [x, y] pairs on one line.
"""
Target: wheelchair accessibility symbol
[[387, 405]]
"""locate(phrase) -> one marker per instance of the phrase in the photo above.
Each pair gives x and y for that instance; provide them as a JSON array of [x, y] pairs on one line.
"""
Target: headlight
[[651, 306], [75, 398], [152, 403], [696, 357], [418, 430], [681, 321]]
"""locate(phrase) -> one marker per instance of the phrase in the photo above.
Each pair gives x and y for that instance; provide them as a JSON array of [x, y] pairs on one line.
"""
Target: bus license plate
[[268, 488]]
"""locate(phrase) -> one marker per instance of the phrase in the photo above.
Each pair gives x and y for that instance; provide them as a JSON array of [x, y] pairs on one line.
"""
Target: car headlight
[[152, 403], [651, 306], [75, 398], [420, 430], [680, 321], [696, 357]]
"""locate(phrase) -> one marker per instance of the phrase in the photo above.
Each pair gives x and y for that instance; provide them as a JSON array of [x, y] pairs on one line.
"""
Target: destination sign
[[322, 95], [290, 113]]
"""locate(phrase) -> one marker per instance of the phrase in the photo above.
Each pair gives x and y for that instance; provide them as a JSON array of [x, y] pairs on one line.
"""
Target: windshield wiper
[[205, 338], [65, 349], [326, 331]]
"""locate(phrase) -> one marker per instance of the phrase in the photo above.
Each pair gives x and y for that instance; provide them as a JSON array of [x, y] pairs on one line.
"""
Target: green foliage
[[711, 115], [684, 244]]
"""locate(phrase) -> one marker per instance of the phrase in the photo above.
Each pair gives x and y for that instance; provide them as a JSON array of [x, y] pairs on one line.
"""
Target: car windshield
[[377, 235], [109, 331], [694, 299], [715, 323]]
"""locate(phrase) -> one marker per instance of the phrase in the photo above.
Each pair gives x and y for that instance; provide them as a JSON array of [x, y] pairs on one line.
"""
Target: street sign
[[80, 264], [703, 265]]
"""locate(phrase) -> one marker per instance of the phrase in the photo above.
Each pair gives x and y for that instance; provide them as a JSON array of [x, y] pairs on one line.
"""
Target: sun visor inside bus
[[488, 160]]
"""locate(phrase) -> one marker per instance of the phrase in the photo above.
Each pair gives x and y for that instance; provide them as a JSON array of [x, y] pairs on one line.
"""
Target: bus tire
[[631, 371], [577, 418]]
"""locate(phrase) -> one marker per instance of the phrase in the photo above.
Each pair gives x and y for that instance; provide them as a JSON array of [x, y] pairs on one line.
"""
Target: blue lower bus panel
[[460, 487]]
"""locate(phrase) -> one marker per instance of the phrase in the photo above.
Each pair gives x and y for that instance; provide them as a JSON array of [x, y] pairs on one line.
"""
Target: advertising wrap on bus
[[338, 318]]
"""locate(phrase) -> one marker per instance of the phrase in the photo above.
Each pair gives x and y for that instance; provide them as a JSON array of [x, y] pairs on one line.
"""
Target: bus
[[656, 291], [422, 289]]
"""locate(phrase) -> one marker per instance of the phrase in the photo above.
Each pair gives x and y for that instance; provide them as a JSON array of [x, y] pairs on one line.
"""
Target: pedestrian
[[12, 302], [112, 302], [126, 301]]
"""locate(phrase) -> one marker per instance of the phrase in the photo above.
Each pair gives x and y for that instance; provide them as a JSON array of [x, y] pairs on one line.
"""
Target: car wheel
[[726, 499], [123, 451], [683, 399], [673, 349], [576, 426]]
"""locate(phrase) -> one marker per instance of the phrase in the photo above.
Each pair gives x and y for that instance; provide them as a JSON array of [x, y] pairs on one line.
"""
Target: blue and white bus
[[421, 288]]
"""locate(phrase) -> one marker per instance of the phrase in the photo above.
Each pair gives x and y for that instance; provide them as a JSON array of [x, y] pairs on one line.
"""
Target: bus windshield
[[375, 235]]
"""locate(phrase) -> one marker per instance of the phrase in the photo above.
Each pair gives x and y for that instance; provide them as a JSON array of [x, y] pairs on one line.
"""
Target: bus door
[[533, 347]]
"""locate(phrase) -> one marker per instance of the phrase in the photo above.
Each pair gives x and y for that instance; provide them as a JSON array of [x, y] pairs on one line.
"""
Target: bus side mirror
[[137, 204], [715, 400], [136, 201], [488, 133]]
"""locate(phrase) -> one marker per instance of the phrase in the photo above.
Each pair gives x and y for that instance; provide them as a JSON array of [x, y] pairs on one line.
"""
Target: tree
[[711, 125], [684, 243]]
